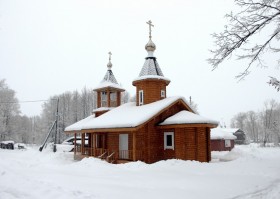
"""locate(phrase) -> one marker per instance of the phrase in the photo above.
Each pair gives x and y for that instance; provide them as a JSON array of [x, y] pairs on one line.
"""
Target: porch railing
[[108, 154]]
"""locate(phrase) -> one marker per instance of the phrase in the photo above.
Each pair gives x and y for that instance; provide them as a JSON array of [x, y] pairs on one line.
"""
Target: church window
[[141, 97], [103, 99]]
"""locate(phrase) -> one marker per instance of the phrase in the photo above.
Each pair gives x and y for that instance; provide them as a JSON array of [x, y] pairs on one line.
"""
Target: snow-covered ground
[[245, 172]]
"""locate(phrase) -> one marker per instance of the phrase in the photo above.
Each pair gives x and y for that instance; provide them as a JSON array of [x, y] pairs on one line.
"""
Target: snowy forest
[[73, 106], [262, 126]]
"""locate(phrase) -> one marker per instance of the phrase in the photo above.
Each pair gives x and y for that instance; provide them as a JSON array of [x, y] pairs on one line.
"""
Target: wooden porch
[[97, 145], [111, 156]]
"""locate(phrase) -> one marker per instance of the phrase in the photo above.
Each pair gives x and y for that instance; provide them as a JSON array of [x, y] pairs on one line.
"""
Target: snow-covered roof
[[151, 67], [109, 80], [230, 130], [221, 134], [78, 125], [102, 109], [129, 115], [186, 117], [105, 84], [7, 142], [151, 77], [109, 77]]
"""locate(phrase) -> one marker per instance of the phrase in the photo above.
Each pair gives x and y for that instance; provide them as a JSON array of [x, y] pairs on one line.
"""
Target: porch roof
[[78, 125]]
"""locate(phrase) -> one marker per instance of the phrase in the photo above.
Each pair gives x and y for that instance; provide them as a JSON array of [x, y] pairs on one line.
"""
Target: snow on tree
[[262, 126], [9, 108], [256, 18]]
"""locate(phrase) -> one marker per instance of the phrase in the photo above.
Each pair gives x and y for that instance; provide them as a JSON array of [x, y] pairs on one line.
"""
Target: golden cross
[[150, 28]]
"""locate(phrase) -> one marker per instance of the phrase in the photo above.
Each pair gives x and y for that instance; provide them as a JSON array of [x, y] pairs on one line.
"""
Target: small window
[[141, 97], [227, 143], [168, 140], [162, 93], [103, 99]]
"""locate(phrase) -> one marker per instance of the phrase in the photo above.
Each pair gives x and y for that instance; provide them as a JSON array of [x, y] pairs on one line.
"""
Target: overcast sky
[[48, 47]]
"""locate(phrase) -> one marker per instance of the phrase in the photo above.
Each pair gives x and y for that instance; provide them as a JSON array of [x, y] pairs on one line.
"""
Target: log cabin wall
[[219, 145], [113, 141], [98, 99], [152, 142], [189, 144], [208, 131], [141, 144], [180, 142], [152, 90], [97, 114], [202, 153]]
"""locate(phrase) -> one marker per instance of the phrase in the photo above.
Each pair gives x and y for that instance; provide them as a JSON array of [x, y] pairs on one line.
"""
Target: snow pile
[[225, 156], [31, 174]]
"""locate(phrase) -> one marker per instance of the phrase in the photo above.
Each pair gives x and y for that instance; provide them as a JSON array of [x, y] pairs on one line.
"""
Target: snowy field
[[246, 172]]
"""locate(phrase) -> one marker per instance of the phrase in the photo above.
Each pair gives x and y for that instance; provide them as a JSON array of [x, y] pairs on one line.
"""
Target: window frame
[[165, 140], [227, 143], [141, 97], [162, 93], [104, 102]]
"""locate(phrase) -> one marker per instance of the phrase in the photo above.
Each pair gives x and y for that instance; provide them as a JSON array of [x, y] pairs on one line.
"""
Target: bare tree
[[255, 18], [252, 126], [239, 121], [268, 117]]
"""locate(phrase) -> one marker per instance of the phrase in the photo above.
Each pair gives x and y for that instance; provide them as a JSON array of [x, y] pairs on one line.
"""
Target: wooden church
[[153, 128]]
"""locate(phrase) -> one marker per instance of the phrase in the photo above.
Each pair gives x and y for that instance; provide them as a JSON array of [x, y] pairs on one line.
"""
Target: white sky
[[48, 47]]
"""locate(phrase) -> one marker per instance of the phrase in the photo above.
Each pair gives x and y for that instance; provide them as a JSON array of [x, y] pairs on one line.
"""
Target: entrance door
[[123, 146]]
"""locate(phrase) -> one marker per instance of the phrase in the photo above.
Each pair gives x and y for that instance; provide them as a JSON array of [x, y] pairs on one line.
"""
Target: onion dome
[[150, 46]]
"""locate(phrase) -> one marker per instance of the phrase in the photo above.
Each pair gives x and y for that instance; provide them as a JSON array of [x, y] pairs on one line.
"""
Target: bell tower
[[151, 83], [108, 92]]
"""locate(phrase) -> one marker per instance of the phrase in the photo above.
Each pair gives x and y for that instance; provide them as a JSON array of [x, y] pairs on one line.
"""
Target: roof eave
[[109, 88], [168, 126], [151, 79]]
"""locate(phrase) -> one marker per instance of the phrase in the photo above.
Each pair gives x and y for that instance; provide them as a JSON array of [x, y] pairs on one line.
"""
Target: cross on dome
[[150, 46], [109, 65], [150, 28]]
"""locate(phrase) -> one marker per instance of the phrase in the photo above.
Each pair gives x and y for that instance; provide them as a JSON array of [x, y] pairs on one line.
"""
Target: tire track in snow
[[271, 191]]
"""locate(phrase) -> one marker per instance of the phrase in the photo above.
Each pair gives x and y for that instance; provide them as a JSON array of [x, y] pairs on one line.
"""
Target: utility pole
[[56, 124], [52, 127]]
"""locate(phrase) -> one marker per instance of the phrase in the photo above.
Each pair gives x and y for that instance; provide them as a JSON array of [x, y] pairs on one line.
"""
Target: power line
[[30, 101]]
